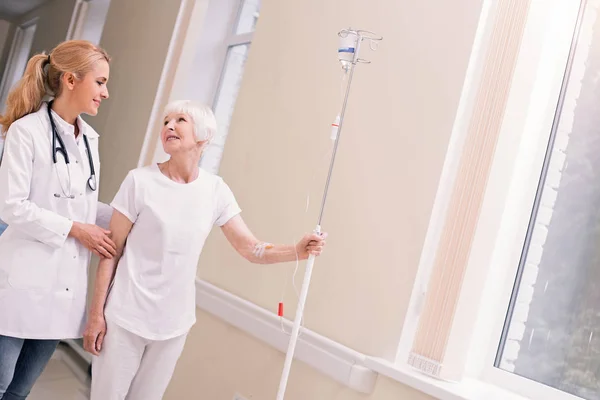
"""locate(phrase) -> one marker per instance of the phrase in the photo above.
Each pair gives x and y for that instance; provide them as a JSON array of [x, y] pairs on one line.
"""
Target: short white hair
[[203, 119]]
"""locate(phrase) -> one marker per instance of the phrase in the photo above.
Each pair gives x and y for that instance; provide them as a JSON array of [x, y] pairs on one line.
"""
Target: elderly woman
[[163, 214]]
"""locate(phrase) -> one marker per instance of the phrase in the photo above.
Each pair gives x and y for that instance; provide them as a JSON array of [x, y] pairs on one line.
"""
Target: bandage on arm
[[248, 246], [259, 249]]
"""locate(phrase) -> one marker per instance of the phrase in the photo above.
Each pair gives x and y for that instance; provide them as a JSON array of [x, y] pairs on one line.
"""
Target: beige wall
[[220, 360], [391, 152]]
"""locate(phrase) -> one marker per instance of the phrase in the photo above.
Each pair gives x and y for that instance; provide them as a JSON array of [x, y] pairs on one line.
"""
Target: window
[[552, 329], [225, 103], [89, 18], [17, 59], [15, 66], [219, 39], [236, 47], [248, 17]]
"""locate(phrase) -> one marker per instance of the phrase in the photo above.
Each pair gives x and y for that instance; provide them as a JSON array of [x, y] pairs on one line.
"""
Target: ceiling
[[15, 8]]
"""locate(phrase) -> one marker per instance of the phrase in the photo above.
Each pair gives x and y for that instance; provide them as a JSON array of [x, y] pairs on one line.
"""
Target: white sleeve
[[125, 200], [16, 209], [103, 215], [227, 206], [1, 147]]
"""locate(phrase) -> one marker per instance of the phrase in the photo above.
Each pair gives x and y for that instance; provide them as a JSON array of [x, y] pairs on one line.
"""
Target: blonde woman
[[48, 197], [163, 214]]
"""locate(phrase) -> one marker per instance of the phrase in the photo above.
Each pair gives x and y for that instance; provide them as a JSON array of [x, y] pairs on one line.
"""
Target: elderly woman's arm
[[248, 246], [95, 330], [103, 215]]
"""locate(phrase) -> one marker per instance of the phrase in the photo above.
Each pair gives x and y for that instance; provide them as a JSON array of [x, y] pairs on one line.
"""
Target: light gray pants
[[133, 368]]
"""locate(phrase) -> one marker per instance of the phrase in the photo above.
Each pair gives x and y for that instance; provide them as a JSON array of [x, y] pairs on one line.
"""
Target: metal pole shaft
[[311, 260], [337, 140], [287, 365]]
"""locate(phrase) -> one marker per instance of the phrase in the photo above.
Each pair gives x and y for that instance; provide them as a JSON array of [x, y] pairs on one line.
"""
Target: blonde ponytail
[[27, 96], [43, 76]]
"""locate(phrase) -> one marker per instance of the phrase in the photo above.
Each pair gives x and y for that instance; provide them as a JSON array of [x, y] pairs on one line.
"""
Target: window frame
[[233, 39], [80, 11], [16, 46], [511, 241], [540, 186], [506, 211], [224, 14]]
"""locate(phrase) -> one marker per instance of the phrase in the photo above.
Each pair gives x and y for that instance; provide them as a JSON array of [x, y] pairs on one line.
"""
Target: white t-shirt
[[154, 292]]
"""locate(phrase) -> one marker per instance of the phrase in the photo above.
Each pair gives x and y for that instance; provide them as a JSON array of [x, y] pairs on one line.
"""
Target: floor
[[65, 378]]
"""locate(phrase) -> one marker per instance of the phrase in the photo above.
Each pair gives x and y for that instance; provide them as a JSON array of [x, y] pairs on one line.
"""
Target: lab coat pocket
[[32, 266]]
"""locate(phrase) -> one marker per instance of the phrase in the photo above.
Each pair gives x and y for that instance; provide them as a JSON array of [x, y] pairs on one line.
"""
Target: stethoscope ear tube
[[92, 180]]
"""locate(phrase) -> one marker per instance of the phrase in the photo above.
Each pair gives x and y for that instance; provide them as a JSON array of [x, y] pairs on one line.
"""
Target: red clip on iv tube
[[280, 311]]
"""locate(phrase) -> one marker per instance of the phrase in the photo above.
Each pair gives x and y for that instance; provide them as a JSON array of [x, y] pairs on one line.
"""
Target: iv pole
[[350, 41]]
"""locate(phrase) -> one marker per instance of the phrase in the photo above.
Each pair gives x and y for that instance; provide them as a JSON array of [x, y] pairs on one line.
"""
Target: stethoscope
[[92, 182]]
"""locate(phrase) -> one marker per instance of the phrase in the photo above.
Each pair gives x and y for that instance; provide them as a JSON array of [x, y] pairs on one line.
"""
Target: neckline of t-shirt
[[166, 178]]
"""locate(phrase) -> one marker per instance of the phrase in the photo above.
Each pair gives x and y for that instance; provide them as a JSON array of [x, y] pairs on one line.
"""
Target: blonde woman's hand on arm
[[94, 238]]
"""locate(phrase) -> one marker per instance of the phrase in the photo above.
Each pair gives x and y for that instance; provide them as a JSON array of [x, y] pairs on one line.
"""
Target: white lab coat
[[43, 272]]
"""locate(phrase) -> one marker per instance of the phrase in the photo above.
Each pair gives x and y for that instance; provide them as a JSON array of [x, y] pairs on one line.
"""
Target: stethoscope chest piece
[[93, 182]]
